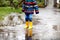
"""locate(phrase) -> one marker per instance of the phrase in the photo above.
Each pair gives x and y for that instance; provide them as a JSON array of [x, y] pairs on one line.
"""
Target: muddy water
[[8, 35], [47, 29], [12, 33]]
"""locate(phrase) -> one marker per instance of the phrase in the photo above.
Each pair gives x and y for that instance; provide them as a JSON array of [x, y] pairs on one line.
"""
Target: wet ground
[[47, 29]]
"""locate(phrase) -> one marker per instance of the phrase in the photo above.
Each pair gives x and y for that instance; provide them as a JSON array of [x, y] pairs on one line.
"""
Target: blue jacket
[[29, 6]]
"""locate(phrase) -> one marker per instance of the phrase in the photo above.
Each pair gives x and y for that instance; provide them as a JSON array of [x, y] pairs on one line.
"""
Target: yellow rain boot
[[30, 25], [27, 24]]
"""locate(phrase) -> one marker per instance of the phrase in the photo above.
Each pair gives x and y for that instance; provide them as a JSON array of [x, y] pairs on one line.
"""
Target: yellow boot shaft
[[30, 25], [27, 24]]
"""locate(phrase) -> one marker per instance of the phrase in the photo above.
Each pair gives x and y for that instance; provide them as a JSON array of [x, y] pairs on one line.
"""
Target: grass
[[7, 10]]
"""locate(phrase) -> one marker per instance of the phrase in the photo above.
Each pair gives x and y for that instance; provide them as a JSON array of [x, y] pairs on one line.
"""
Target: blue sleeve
[[36, 9]]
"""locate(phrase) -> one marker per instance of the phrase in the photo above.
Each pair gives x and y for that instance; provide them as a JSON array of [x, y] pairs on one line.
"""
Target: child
[[29, 6]]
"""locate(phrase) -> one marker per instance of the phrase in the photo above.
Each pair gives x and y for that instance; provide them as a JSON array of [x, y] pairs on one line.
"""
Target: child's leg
[[30, 25], [27, 20], [30, 21]]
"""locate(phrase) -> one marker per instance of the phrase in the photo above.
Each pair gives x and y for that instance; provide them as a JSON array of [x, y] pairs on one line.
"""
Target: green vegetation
[[41, 3], [11, 3], [8, 6], [7, 10]]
